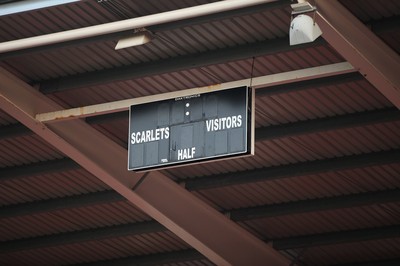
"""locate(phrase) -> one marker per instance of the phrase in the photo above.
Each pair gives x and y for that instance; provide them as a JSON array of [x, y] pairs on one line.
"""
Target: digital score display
[[188, 129]]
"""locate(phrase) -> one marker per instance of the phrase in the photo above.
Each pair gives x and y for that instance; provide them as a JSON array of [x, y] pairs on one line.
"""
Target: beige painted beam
[[128, 24], [361, 47], [257, 82], [201, 226]]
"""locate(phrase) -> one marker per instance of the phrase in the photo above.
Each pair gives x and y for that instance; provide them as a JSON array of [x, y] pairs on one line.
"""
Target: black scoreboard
[[190, 129]]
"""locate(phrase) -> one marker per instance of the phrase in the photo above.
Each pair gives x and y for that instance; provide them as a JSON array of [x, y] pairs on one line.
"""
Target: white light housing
[[138, 38], [303, 29]]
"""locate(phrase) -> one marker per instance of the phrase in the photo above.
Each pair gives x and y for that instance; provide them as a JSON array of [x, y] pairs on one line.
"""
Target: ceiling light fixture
[[139, 37], [303, 28]]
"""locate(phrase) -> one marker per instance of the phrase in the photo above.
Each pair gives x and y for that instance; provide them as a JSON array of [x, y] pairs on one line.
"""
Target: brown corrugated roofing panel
[[112, 248], [326, 221], [374, 250], [327, 184], [26, 149], [51, 185], [283, 108]]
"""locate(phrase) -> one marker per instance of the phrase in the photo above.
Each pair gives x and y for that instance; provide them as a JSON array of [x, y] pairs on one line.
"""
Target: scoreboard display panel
[[188, 129]]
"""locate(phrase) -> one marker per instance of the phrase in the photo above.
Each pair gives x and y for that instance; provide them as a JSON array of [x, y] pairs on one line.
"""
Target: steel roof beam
[[171, 65], [216, 237], [129, 24], [155, 28], [40, 168], [327, 124], [294, 85], [13, 131], [262, 134], [315, 205], [297, 169], [173, 257], [97, 234], [256, 83], [314, 83], [361, 47], [335, 238], [142, 228], [69, 202], [383, 262], [242, 214]]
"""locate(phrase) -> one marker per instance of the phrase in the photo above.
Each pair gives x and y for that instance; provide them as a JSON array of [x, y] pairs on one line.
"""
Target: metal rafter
[[389, 262], [297, 169], [173, 257], [142, 228], [155, 28], [323, 204], [262, 134], [297, 84], [242, 214], [358, 235], [129, 24], [260, 82], [82, 236], [171, 65], [225, 242], [361, 47]]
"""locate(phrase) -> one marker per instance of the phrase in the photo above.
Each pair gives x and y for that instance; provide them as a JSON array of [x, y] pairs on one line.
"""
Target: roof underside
[[323, 187]]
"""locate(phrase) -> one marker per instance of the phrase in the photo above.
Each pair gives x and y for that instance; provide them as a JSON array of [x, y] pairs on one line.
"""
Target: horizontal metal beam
[[242, 214], [262, 134], [173, 257], [314, 83], [378, 27], [388, 262], [337, 237], [325, 76], [51, 205], [154, 227], [40, 168], [82, 236], [301, 82], [128, 24], [297, 169], [155, 28], [256, 83], [13, 7], [314, 205], [328, 123], [13, 131], [170, 65]]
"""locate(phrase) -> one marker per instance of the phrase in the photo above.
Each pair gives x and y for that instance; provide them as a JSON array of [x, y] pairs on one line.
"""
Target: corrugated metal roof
[[275, 107], [26, 149]]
